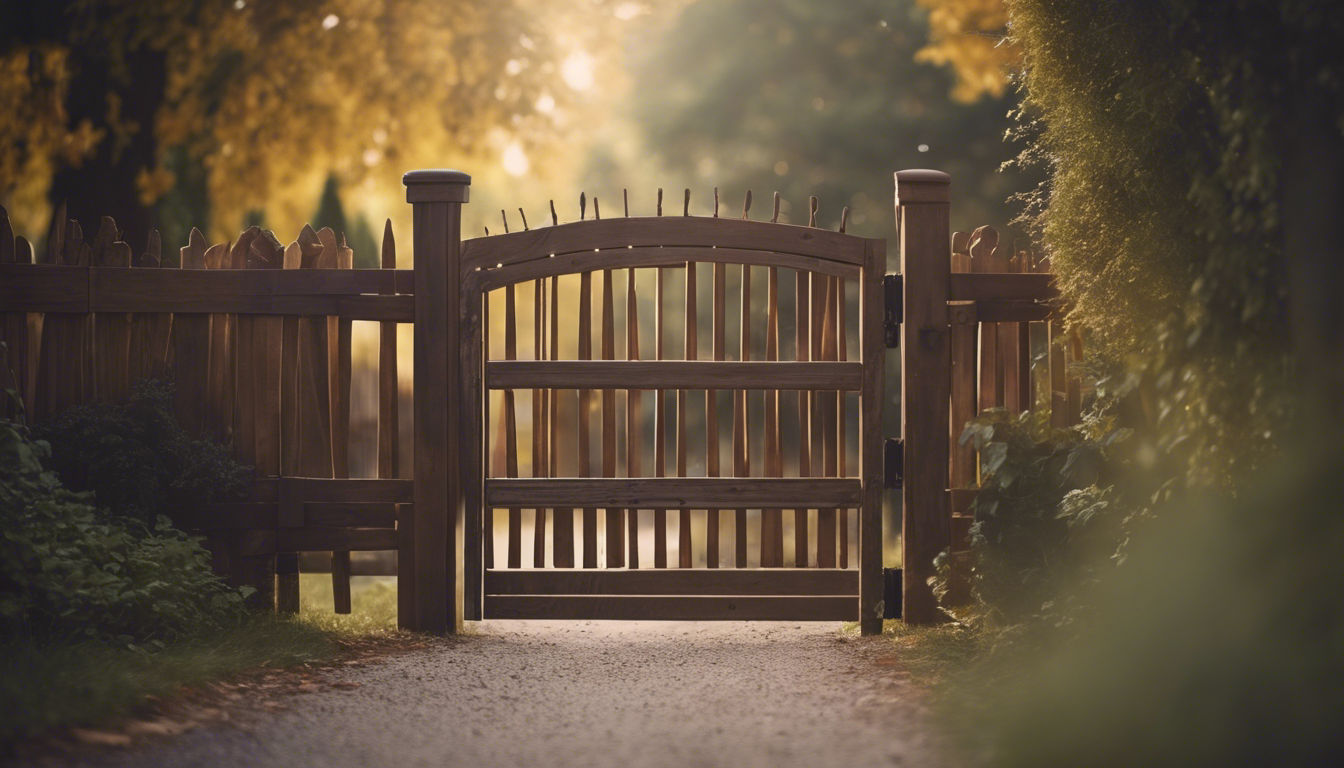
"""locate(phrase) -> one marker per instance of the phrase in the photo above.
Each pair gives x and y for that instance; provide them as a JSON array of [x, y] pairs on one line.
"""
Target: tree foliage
[[269, 97], [815, 99], [970, 36]]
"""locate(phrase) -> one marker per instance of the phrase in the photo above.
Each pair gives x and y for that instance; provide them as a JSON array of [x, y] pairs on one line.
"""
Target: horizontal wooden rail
[[982, 286], [351, 294], [625, 258], [674, 492], [600, 607], [671, 374], [680, 581], [668, 231], [267, 542], [1014, 310]]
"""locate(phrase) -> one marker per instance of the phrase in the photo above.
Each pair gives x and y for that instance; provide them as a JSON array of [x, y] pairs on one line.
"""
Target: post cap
[[436, 185], [918, 185]]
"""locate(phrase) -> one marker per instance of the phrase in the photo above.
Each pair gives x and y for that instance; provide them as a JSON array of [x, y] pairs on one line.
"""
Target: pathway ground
[[588, 694]]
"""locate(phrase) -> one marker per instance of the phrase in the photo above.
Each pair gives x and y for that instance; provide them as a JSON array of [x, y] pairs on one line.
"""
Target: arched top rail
[[498, 251], [643, 257]]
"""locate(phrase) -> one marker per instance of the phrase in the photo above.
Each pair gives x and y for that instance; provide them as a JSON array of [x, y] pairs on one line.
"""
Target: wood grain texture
[[983, 242], [713, 467], [634, 414], [615, 518], [802, 342], [685, 558], [671, 608], [659, 426], [675, 374], [585, 404], [926, 378], [872, 351], [976, 286], [741, 418], [675, 493], [697, 581]]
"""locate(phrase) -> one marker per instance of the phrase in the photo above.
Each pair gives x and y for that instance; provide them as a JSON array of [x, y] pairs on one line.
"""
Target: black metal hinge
[[891, 593], [893, 297], [893, 463]]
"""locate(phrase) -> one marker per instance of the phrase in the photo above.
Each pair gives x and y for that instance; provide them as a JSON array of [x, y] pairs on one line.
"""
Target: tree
[[112, 103]]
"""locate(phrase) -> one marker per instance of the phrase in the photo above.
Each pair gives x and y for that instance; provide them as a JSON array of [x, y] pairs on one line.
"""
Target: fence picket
[[659, 422], [802, 341], [586, 353], [692, 352], [741, 448], [634, 413]]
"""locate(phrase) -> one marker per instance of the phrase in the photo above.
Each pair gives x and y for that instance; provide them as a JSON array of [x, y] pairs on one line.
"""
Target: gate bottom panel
[[674, 608]]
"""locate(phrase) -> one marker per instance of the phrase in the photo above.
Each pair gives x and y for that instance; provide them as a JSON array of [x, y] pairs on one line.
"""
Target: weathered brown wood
[[539, 420], [741, 416], [872, 352], [977, 286], [583, 261], [439, 470], [314, 395], [1025, 399], [634, 413], [562, 534], [772, 523], [712, 459], [389, 447], [191, 347], [696, 581], [922, 208], [514, 545], [50, 288], [330, 539], [688, 231], [242, 361], [326, 514], [585, 395], [964, 320], [287, 563], [674, 374], [990, 395], [267, 253], [802, 342], [676, 493], [685, 557], [659, 426], [1010, 348], [338, 336], [827, 517], [841, 441], [600, 607], [111, 331], [615, 518], [223, 340]]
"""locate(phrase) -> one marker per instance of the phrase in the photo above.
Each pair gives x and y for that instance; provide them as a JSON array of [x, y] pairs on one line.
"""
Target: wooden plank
[[191, 348], [352, 490], [979, 286], [772, 523], [926, 377], [675, 493], [659, 430], [634, 414], [685, 557], [1025, 399], [50, 288], [314, 395], [712, 459], [562, 535], [674, 374], [287, 563], [329, 539], [586, 261], [827, 517], [223, 335], [236, 283], [644, 608], [111, 331], [238, 372], [267, 253], [338, 336], [585, 399], [615, 518], [1012, 310], [741, 418], [983, 242], [344, 515], [539, 421], [695, 581], [509, 415], [963, 320], [669, 232], [802, 342], [872, 351], [841, 442]]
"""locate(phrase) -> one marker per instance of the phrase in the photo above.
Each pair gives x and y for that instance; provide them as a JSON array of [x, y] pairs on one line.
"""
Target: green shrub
[[137, 459], [69, 570]]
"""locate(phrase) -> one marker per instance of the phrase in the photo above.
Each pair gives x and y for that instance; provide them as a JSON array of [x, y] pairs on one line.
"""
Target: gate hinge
[[893, 463], [891, 593], [893, 297]]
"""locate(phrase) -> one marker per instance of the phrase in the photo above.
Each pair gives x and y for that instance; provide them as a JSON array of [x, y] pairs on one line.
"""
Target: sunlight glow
[[545, 104], [515, 160], [577, 71], [331, 21], [628, 11]]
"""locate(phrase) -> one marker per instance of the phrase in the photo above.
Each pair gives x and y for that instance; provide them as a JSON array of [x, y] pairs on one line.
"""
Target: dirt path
[[590, 694]]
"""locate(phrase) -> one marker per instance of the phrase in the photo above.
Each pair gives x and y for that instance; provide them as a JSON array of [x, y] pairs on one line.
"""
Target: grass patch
[[43, 688]]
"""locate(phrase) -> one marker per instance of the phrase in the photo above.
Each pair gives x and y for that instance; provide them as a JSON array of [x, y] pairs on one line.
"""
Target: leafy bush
[[137, 459], [69, 570]]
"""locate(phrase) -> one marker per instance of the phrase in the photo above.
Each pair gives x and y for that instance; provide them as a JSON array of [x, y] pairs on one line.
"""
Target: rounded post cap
[[436, 185], [921, 185]]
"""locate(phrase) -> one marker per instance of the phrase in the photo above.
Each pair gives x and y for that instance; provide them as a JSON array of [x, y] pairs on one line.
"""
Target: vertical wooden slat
[[827, 518], [684, 555], [841, 441], [266, 252], [922, 203], [191, 346], [223, 333], [964, 363], [338, 335], [803, 352], [586, 353], [539, 421], [983, 242], [562, 528], [712, 466], [287, 563], [634, 413], [389, 442], [659, 423], [151, 333], [772, 524], [242, 362], [872, 350], [741, 448], [111, 331], [509, 416], [615, 529]]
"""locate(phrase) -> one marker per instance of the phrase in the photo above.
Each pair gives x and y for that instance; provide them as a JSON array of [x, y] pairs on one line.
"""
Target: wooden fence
[[257, 337]]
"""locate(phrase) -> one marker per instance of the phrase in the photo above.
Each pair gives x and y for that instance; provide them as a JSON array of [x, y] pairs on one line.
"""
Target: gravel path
[[590, 694]]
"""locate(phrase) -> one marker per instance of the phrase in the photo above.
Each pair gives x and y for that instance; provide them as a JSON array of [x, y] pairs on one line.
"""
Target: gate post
[[923, 219], [436, 197]]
